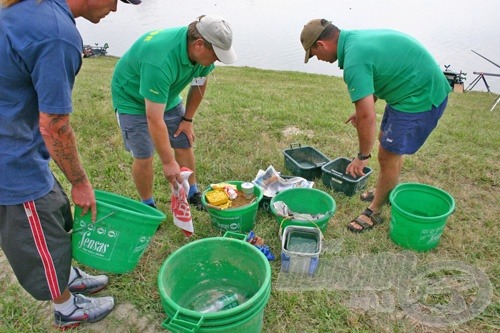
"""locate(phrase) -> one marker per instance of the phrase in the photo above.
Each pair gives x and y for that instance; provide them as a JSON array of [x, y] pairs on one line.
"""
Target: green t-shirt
[[394, 67], [156, 67]]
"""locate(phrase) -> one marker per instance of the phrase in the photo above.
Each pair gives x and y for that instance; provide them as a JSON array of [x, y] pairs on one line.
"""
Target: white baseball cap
[[218, 33]]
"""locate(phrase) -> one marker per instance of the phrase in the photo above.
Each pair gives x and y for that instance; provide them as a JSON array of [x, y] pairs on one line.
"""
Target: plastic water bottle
[[225, 302]]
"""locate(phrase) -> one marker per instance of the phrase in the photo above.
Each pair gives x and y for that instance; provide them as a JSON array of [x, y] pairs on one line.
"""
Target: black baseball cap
[[133, 2]]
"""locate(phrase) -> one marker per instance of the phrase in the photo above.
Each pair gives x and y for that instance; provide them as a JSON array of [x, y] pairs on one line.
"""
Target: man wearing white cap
[[146, 87], [40, 56]]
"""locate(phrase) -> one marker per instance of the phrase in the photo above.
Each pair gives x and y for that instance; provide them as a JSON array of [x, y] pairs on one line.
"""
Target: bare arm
[[194, 98], [159, 134], [365, 121], [61, 144]]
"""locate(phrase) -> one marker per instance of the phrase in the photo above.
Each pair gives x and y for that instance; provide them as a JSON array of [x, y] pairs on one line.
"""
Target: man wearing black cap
[[40, 56], [388, 65], [146, 90]]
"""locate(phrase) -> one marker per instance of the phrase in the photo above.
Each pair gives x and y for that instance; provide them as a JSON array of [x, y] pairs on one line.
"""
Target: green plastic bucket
[[201, 271], [240, 219], [305, 201], [418, 215], [120, 235]]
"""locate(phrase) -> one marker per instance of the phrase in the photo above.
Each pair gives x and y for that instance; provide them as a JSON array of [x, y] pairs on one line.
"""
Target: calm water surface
[[266, 32]]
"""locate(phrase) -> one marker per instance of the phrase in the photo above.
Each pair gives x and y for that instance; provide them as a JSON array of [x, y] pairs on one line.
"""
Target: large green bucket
[[418, 215], [239, 219], [306, 201], [120, 235], [199, 272]]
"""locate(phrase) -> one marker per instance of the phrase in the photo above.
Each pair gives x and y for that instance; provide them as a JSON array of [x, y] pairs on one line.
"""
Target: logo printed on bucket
[[92, 245], [98, 242], [139, 248]]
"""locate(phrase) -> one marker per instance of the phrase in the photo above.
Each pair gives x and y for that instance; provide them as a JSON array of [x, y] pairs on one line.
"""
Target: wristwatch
[[364, 157], [187, 119]]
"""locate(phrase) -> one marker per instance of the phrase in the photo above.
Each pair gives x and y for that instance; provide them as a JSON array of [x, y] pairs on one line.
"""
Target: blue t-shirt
[[40, 56]]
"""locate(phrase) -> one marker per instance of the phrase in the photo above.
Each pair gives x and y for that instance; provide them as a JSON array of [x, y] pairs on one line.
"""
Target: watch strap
[[364, 157]]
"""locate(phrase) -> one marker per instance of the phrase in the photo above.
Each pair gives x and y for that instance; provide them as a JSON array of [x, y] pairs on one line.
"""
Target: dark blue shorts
[[404, 133], [136, 137]]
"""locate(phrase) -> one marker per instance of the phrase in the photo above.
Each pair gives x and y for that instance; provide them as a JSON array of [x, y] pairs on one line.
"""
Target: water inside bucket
[[302, 242], [205, 299]]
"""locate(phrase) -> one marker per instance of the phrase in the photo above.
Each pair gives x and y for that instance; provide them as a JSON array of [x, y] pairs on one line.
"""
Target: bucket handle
[[94, 223], [176, 324], [295, 145], [105, 217], [230, 234], [280, 233]]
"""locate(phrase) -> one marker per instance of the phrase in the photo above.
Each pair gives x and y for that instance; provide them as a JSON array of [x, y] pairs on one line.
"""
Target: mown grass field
[[246, 120]]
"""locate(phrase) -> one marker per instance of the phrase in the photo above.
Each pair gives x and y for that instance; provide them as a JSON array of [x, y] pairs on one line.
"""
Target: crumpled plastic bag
[[271, 182], [283, 210], [179, 203]]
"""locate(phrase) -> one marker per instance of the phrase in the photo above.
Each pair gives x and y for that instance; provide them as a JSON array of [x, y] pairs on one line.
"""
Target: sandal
[[367, 195], [375, 218]]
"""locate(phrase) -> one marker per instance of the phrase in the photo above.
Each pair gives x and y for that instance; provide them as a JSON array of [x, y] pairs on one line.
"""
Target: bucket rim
[[402, 186], [152, 213], [328, 197], [197, 315]]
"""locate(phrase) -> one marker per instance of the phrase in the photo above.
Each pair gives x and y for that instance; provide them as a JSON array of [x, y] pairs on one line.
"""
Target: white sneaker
[[88, 309], [87, 284]]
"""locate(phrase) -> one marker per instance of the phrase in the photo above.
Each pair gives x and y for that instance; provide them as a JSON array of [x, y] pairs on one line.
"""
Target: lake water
[[266, 32]]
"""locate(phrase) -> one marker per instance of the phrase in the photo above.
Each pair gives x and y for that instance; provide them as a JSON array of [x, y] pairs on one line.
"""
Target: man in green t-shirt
[[388, 65], [146, 87]]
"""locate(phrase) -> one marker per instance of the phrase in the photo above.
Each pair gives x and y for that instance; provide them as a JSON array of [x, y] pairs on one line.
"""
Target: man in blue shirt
[[40, 56]]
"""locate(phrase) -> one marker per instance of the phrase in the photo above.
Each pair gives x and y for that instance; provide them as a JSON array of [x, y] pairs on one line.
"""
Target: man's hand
[[355, 168], [186, 128], [83, 196], [352, 120]]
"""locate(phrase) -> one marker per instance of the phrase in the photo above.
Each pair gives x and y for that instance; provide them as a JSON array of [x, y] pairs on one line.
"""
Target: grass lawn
[[247, 119]]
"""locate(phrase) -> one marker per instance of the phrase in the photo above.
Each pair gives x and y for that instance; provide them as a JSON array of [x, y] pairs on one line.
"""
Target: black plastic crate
[[335, 177], [305, 162]]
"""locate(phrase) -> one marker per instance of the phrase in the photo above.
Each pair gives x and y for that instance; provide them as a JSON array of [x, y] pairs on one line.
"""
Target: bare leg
[[388, 178], [142, 174], [64, 297], [185, 158]]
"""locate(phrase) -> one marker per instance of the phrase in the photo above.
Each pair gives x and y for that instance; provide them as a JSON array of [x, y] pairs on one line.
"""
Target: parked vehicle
[[92, 51]]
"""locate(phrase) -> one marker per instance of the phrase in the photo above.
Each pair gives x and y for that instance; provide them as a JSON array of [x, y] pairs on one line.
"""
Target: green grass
[[243, 125]]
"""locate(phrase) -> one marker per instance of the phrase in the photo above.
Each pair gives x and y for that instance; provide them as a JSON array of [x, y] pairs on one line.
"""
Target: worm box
[[334, 176], [304, 161]]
